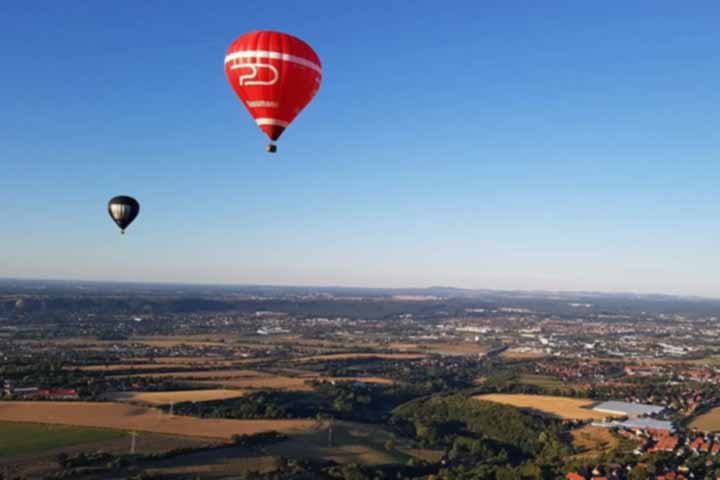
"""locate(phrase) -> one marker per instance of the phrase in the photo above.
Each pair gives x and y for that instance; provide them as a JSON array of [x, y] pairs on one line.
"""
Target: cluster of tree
[[345, 400], [484, 439], [421, 377], [258, 439], [313, 469], [362, 402], [47, 374], [83, 459], [99, 463], [438, 420], [269, 404]]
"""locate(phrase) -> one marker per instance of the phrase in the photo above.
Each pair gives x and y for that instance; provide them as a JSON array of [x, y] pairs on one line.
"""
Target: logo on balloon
[[251, 78]]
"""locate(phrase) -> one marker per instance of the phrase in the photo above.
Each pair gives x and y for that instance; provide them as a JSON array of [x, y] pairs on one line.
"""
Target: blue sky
[[509, 144]]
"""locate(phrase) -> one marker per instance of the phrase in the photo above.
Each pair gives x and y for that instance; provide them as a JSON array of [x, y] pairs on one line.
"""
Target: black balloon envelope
[[123, 210]]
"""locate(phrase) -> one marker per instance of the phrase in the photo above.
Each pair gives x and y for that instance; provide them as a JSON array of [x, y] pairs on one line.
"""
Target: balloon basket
[[271, 148]]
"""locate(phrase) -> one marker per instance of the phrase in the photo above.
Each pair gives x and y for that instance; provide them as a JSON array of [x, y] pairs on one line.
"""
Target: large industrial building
[[628, 409]]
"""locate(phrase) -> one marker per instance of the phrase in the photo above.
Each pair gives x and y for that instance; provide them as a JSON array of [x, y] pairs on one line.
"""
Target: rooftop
[[648, 423], [627, 408]]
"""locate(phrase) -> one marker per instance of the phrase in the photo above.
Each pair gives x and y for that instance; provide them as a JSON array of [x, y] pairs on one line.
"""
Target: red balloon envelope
[[275, 75]]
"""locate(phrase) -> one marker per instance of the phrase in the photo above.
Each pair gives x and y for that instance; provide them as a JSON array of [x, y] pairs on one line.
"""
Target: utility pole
[[330, 433], [172, 408], [133, 435]]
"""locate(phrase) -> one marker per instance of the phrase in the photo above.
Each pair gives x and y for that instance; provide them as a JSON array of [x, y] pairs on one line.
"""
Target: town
[[626, 387]]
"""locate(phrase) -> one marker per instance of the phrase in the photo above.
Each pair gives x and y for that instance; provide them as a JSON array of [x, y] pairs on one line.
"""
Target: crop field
[[28, 438], [92, 343], [351, 443], [263, 383], [163, 398], [545, 381], [38, 460], [217, 464], [404, 346], [708, 422], [311, 375], [282, 379], [204, 360], [712, 360], [204, 374], [144, 367], [590, 442], [376, 380], [162, 363], [514, 354], [127, 417], [456, 348], [300, 384], [563, 407], [354, 356], [17, 438]]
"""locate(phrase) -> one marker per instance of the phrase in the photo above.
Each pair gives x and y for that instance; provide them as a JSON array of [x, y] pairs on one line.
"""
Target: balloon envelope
[[275, 75], [123, 210]]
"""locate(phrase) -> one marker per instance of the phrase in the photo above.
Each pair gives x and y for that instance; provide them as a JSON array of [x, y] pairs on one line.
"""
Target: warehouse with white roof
[[628, 409]]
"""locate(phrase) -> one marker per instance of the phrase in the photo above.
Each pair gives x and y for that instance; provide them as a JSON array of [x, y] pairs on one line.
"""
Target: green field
[[543, 381], [352, 443], [21, 438]]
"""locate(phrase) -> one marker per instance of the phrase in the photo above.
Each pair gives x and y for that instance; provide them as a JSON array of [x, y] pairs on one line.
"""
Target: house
[[665, 443], [699, 445], [58, 393]]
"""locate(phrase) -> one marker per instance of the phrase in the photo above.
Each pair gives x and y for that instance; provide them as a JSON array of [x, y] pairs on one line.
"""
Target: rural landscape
[[184, 382], [378, 240]]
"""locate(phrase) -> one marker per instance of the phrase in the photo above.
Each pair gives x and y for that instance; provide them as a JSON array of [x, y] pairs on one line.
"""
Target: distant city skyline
[[512, 146]]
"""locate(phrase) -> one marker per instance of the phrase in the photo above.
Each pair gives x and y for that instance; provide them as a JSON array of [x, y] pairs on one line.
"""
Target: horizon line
[[358, 287]]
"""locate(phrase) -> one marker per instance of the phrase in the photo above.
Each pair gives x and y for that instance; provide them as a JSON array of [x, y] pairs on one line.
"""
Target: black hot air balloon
[[123, 210]]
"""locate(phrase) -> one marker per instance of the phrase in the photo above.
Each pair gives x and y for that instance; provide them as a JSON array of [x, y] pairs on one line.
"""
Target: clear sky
[[484, 144]]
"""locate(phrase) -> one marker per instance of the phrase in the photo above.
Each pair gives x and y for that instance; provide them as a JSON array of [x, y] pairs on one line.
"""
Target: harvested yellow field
[[403, 347], [352, 356], [157, 341], [165, 363], [376, 380], [310, 375], [131, 366], [523, 354], [199, 361], [263, 383], [591, 442], [567, 408], [204, 374], [457, 348], [163, 398], [708, 422], [207, 340], [126, 417], [293, 372]]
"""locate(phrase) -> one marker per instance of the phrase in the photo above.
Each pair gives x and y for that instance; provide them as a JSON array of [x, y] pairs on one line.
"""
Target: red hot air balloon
[[275, 75]]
